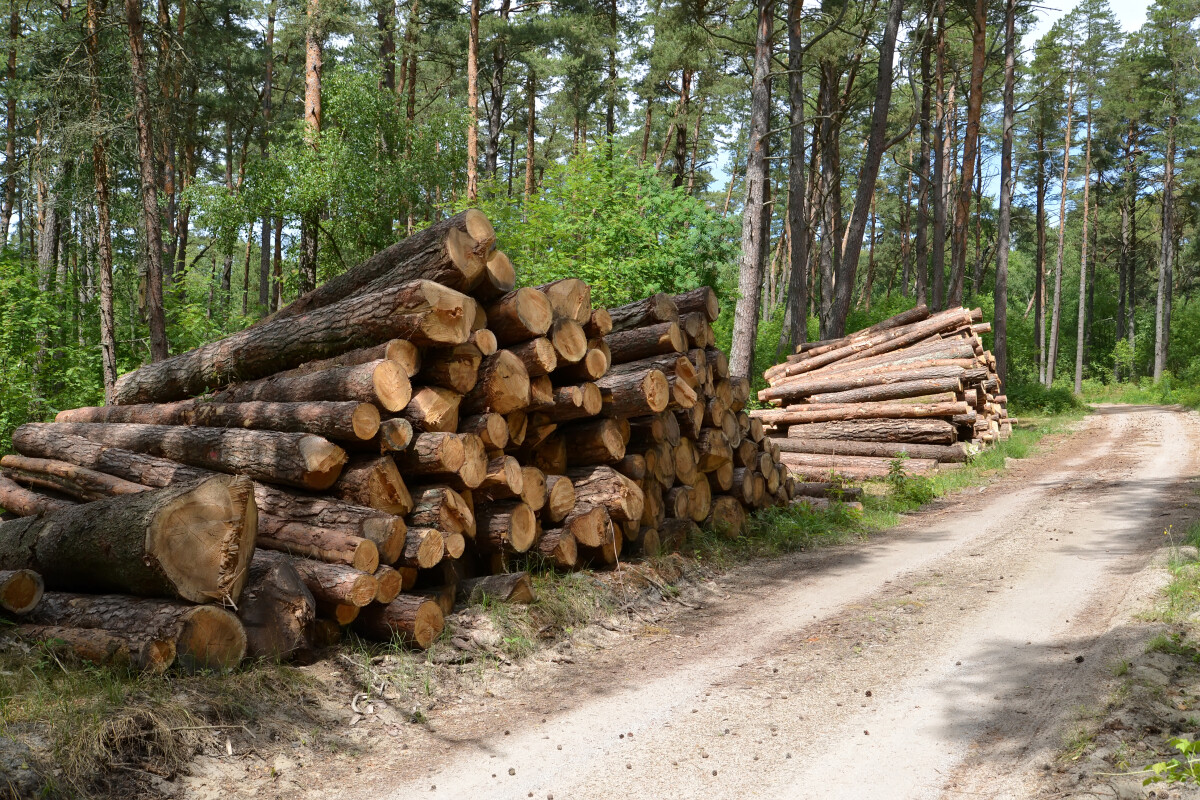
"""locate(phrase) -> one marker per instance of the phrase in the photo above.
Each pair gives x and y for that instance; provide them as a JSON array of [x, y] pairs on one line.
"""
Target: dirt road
[[945, 658]]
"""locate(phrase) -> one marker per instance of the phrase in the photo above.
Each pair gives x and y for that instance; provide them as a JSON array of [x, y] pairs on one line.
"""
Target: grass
[[1181, 597], [1168, 391]]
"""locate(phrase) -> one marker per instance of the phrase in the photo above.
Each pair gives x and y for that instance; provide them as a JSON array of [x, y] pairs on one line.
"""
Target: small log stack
[[407, 435], [918, 384]]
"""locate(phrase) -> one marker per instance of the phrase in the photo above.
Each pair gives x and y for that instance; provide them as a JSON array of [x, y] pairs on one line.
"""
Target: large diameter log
[[193, 542], [276, 608], [25, 502], [509, 587], [498, 278], [634, 394], [423, 312], [382, 382], [702, 299], [558, 547], [853, 464], [590, 525], [520, 315], [917, 431], [20, 590], [432, 454], [320, 544], [114, 648], [336, 583], [883, 410], [537, 354], [941, 452], [455, 368], [374, 482], [727, 517], [818, 382], [293, 459], [560, 498], [504, 479], [505, 526], [403, 352], [492, 429], [77, 482], [638, 343], [598, 324], [644, 313], [604, 486], [205, 636], [452, 252], [598, 441], [570, 298], [443, 508], [593, 365], [348, 420], [569, 340], [415, 621], [503, 385], [890, 391], [433, 409]]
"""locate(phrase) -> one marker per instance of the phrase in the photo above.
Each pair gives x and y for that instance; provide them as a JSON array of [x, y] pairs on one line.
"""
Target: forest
[[175, 172]]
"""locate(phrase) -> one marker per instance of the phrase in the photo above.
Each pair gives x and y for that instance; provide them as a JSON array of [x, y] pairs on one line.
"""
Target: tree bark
[[423, 312], [962, 216], [191, 542], [1166, 261], [1052, 356], [264, 256], [414, 620], [1000, 304], [938, 261], [1082, 317], [750, 268], [473, 103], [916, 431]]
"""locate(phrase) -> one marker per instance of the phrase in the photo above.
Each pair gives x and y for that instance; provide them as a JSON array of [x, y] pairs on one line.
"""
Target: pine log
[[403, 352], [678, 501], [336, 583], [891, 391], [825, 489], [598, 324], [433, 454], [20, 590], [927, 399], [941, 452], [687, 468], [453, 545], [728, 517], [672, 365], [424, 548], [683, 396], [433, 410], [560, 498], [534, 493], [503, 478], [700, 500], [570, 298], [916, 431], [276, 608], [632, 466], [114, 648], [320, 544], [712, 450], [498, 278], [657, 308], [79, 483], [550, 456], [853, 464], [492, 429], [382, 382], [505, 526], [592, 366], [423, 312], [503, 385], [649, 429], [443, 508], [597, 441], [571, 402], [416, 621], [388, 584], [702, 299], [484, 341], [205, 636], [193, 542], [294, 459], [569, 340], [863, 411], [509, 587], [810, 349], [538, 355], [605, 487], [634, 394], [394, 436], [518, 425], [374, 482], [453, 368], [520, 315], [590, 525], [559, 548], [26, 503], [638, 343], [674, 534], [935, 350], [818, 382], [654, 508], [340, 613]]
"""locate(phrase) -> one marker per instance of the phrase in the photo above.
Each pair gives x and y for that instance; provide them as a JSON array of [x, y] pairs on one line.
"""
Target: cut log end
[[323, 461], [211, 638], [365, 421], [20, 590], [203, 539]]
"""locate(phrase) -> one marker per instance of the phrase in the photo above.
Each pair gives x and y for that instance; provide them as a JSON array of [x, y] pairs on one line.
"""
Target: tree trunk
[[867, 173], [962, 215], [151, 217], [314, 43], [1000, 305], [104, 254], [685, 97], [415, 620], [1052, 356], [496, 108], [424, 312], [264, 256], [530, 130], [473, 104], [940, 178], [797, 332], [1162, 314], [1082, 317], [922, 244], [10, 116], [746, 313], [164, 543], [1039, 288]]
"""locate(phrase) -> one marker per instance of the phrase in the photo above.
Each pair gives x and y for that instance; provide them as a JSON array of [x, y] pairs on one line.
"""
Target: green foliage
[[1034, 398], [617, 225], [908, 490], [1183, 769]]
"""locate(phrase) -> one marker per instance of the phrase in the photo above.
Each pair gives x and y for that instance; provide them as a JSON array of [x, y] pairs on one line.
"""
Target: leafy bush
[[1034, 398], [911, 491]]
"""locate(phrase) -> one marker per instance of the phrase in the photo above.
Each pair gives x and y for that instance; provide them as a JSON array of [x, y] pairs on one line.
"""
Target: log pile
[[919, 385], [414, 432]]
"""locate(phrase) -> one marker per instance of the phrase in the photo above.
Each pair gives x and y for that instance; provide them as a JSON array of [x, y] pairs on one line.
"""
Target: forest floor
[[1009, 640]]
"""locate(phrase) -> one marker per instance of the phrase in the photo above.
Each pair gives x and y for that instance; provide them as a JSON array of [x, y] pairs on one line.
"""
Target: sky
[[1129, 13]]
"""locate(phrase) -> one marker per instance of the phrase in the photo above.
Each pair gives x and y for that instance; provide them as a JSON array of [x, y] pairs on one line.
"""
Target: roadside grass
[[1168, 391], [1181, 596]]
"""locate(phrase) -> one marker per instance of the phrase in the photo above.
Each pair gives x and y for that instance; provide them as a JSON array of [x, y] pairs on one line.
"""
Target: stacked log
[[918, 385], [409, 434]]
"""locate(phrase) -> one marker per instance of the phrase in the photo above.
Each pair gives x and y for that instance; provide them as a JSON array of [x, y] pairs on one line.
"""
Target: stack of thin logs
[[411, 433], [918, 385]]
